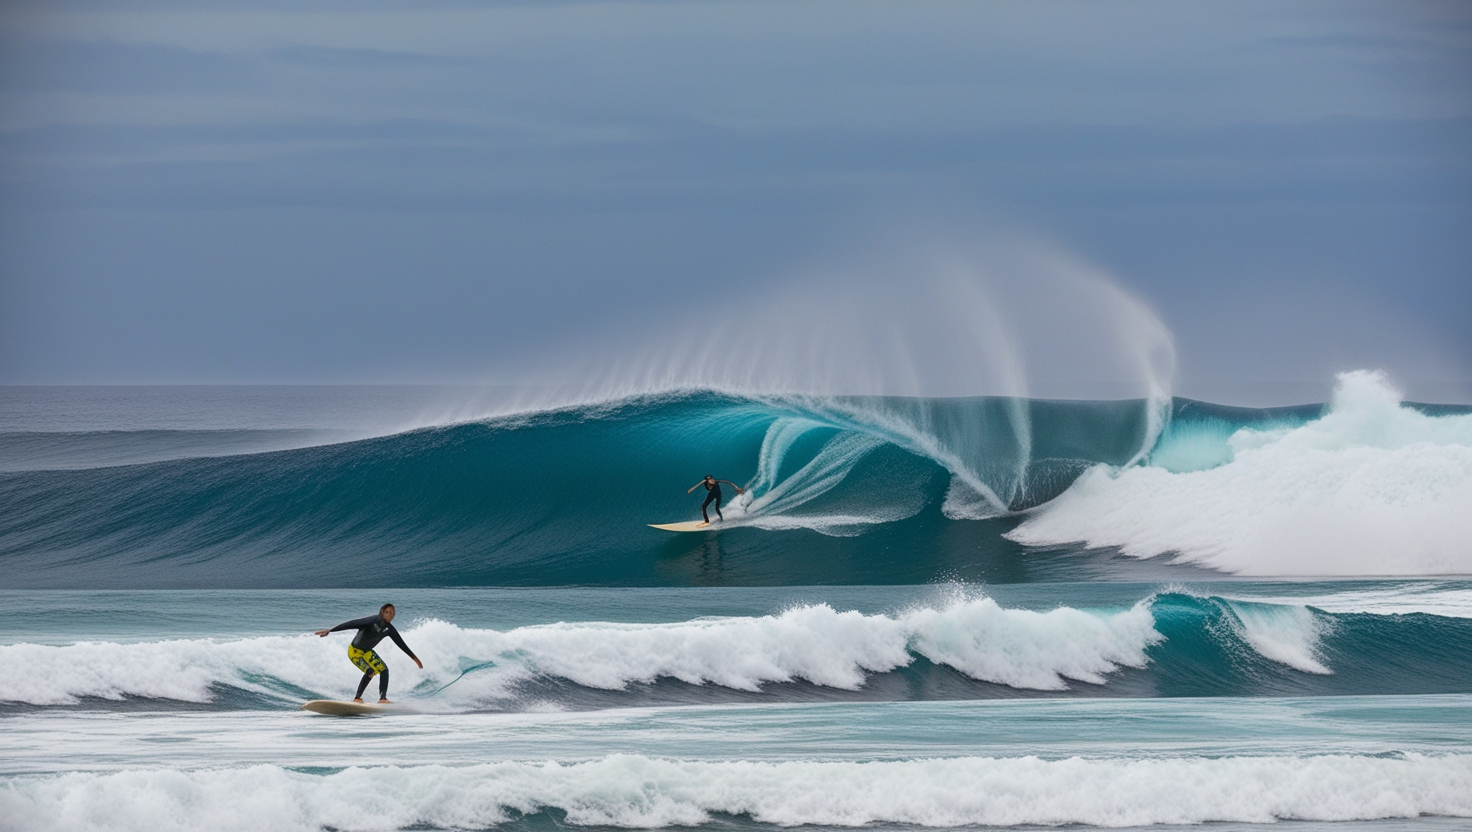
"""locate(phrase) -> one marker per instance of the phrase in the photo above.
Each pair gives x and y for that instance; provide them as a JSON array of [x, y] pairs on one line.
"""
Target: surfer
[[712, 495], [372, 630]]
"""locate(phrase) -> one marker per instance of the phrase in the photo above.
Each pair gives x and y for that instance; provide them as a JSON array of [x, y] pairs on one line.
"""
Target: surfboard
[[332, 707], [687, 526]]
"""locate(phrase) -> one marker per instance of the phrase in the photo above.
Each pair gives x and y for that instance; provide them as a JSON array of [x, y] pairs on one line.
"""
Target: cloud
[[323, 56], [118, 68], [563, 162]]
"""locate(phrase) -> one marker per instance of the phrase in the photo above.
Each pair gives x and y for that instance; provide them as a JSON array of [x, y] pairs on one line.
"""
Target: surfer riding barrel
[[712, 495]]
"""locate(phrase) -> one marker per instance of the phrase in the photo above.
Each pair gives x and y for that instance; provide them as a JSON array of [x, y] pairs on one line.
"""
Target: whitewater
[[934, 706], [1370, 488], [963, 612]]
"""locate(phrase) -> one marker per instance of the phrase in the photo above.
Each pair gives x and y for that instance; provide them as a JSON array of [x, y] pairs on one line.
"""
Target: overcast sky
[[236, 191]]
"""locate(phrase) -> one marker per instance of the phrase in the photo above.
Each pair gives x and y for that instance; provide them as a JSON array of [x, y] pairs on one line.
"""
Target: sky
[[262, 191]]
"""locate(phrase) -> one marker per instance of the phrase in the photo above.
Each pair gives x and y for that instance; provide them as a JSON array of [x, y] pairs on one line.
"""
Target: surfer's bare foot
[[359, 701], [384, 702], [702, 525]]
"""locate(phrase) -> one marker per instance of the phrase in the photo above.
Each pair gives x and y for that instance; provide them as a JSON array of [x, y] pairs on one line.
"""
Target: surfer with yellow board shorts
[[712, 495], [372, 630]]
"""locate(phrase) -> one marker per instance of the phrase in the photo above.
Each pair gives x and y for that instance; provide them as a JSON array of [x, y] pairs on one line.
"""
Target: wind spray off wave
[[887, 413], [853, 403], [878, 348]]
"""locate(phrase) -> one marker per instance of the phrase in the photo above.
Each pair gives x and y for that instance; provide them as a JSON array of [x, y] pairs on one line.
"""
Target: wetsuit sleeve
[[393, 633], [355, 624]]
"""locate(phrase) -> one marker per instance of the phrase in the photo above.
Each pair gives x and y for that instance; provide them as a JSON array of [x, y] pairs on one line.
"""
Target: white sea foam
[[1286, 634], [640, 792], [1372, 488], [1417, 597], [814, 643]]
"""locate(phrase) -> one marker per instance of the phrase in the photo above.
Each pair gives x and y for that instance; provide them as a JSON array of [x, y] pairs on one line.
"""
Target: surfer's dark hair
[[709, 477], [386, 607]]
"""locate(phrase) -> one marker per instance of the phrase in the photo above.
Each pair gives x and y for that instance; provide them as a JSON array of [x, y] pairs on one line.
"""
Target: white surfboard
[[687, 526], [332, 707]]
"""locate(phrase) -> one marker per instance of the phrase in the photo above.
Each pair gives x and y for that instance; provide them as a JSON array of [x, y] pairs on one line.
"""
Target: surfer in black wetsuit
[[712, 495], [372, 630]]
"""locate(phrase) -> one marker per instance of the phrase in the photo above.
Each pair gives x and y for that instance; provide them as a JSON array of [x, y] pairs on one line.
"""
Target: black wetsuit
[[371, 631], [712, 494]]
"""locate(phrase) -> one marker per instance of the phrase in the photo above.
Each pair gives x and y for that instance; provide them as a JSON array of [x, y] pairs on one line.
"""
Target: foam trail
[[1371, 488], [634, 791], [827, 469], [774, 502]]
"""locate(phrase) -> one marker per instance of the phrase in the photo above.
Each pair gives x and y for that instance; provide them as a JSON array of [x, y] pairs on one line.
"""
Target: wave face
[[1171, 644], [839, 490]]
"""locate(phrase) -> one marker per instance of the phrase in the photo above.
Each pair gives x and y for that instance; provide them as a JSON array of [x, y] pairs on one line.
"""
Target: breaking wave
[[877, 490], [1169, 644]]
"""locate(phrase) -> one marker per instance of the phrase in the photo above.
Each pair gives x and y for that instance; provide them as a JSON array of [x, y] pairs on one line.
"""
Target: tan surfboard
[[687, 526], [332, 707]]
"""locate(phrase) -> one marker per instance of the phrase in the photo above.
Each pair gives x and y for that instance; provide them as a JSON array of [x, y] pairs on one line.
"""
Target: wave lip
[[642, 792], [1370, 488]]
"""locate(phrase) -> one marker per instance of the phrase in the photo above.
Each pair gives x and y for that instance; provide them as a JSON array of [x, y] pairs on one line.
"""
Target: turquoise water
[[1094, 703], [926, 616]]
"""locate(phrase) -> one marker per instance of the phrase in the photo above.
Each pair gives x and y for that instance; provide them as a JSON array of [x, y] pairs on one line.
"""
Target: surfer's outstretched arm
[[394, 634], [733, 485], [355, 624], [692, 488]]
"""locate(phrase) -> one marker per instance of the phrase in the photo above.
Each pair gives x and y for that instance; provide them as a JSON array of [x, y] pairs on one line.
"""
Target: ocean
[[922, 613]]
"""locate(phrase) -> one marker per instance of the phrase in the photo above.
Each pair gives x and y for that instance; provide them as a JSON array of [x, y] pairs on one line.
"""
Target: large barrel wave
[[840, 490]]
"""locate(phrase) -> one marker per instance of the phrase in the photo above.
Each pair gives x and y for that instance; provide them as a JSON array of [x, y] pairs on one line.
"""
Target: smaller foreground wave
[[1170, 644], [641, 792], [468, 667]]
